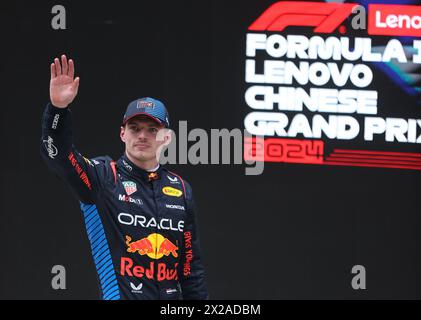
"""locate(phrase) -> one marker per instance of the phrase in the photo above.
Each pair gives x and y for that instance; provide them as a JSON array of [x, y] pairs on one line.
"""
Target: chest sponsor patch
[[170, 191], [144, 222], [174, 206], [130, 187], [124, 198]]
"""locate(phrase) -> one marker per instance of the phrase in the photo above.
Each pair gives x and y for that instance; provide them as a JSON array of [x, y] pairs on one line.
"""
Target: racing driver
[[139, 217]]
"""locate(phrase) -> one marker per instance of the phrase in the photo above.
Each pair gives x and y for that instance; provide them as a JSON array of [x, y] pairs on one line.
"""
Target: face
[[140, 136]]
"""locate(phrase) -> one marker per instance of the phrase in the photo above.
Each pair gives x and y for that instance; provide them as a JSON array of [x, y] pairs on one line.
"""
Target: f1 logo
[[325, 17]]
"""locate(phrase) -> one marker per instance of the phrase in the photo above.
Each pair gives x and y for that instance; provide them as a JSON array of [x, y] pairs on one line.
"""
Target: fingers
[[58, 67], [71, 69], [64, 64], [53, 70], [63, 68]]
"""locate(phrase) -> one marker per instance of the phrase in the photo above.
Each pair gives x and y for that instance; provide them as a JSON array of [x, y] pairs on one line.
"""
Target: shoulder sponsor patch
[[173, 180], [170, 191], [88, 161], [79, 170]]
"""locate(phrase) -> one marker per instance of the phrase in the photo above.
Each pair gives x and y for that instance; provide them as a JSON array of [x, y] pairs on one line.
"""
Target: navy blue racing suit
[[141, 225]]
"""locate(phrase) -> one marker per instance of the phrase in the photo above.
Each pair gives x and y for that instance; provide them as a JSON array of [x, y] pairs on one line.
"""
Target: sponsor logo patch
[[172, 192], [50, 147], [175, 206], [145, 104], [125, 198], [55, 122], [170, 291], [173, 180], [88, 161], [155, 246], [128, 166], [136, 289], [130, 187]]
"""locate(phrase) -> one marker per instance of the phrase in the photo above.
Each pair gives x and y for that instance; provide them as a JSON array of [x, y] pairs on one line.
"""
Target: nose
[[142, 134]]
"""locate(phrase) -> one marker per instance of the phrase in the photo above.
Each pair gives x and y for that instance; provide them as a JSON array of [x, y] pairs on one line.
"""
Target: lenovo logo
[[325, 17], [394, 20]]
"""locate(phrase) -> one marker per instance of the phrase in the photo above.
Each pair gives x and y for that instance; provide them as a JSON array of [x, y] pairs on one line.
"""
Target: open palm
[[63, 86]]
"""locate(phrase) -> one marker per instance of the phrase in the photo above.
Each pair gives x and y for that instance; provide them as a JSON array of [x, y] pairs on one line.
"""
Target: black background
[[293, 232]]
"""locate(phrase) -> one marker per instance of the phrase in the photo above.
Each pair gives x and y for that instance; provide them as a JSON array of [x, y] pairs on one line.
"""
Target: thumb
[[76, 83]]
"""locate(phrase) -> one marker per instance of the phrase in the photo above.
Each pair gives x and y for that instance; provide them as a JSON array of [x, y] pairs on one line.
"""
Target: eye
[[153, 130], [133, 128]]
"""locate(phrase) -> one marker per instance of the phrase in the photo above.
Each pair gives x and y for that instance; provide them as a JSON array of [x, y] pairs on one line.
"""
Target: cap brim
[[143, 114]]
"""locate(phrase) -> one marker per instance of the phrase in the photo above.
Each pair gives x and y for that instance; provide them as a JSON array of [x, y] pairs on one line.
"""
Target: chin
[[142, 156]]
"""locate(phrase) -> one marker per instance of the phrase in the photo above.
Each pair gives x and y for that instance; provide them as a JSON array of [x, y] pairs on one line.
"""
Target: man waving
[[140, 218]]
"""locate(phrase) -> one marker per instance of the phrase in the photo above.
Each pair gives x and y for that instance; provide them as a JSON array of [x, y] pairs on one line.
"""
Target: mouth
[[141, 146]]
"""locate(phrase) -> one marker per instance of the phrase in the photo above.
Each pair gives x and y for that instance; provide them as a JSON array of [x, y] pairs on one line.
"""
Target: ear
[[164, 135], [167, 137], [122, 132]]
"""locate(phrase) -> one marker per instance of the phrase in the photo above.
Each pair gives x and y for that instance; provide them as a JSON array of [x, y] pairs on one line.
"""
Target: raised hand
[[63, 86]]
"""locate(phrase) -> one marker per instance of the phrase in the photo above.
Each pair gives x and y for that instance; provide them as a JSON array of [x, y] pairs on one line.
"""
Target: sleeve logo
[[50, 147]]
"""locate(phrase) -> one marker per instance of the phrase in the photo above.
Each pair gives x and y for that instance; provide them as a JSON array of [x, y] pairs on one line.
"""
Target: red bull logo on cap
[[155, 246]]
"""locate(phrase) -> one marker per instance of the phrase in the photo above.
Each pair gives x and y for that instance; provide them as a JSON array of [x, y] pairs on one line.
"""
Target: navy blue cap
[[150, 107]]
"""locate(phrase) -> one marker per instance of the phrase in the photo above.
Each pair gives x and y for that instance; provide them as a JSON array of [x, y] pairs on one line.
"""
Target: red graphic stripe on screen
[[344, 159], [377, 165], [379, 159], [406, 154], [312, 152]]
